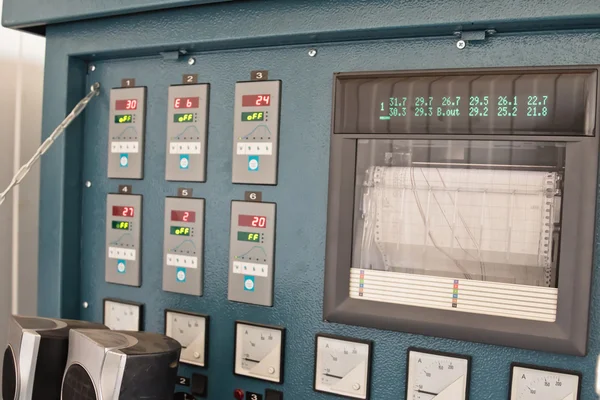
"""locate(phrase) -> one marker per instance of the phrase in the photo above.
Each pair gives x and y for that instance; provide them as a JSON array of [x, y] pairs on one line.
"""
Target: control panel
[[187, 120], [183, 245], [126, 133], [256, 132], [251, 251], [123, 235]]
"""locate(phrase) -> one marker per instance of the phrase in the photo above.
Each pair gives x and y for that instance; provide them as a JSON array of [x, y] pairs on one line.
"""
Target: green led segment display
[[124, 225], [248, 237], [180, 231], [123, 119], [187, 117], [253, 116], [473, 106]]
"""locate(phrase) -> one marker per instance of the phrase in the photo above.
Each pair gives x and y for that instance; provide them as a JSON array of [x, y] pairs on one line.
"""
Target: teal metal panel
[[72, 216]]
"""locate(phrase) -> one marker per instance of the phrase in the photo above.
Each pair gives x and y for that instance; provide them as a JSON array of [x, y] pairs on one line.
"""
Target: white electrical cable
[[24, 170]]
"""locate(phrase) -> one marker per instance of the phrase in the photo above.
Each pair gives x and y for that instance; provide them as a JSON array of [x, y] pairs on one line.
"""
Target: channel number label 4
[[126, 133], [343, 366], [259, 351], [187, 119], [536, 383], [123, 235], [256, 132], [251, 250], [183, 247], [437, 376]]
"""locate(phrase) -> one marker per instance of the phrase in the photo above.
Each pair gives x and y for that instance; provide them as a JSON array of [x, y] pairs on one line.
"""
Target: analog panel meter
[[122, 315], [536, 383], [191, 330], [259, 351], [343, 366], [437, 376]]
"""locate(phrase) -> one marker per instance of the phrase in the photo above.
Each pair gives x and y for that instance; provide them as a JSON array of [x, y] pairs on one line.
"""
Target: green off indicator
[[253, 116], [248, 237], [187, 117], [180, 231], [123, 119], [124, 225]]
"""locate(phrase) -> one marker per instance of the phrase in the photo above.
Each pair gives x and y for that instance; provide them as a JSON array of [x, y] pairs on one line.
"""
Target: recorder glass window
[[482, 218]]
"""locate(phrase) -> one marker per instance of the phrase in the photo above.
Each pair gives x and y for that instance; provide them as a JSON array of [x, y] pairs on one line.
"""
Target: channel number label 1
[[437, 376], [256, 132], [126, 133], [533, 383]]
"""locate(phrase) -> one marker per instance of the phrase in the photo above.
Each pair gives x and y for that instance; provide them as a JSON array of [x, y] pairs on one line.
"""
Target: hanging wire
[[24, 170]]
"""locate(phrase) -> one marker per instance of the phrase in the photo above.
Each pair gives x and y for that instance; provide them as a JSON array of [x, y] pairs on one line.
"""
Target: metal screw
[[196, 355], [191, 61], [85, 304], [88, 184], [312, 52], [461, 44], [490, 32], [92, 67]]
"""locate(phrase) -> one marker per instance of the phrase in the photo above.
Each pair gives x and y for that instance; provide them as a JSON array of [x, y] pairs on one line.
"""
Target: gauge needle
[[334, 376], [423, 391], [251, 360]]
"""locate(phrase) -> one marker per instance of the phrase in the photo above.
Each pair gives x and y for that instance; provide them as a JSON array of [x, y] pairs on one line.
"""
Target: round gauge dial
[[189, 330], [533, 383], [258, 351], [437, 376], [343, 366]]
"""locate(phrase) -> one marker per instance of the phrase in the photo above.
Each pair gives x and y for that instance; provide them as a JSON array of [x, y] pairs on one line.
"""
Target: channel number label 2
[[256, 132], [251, 249], [183, 245], [126, 133], [123, 233], [187, 120]]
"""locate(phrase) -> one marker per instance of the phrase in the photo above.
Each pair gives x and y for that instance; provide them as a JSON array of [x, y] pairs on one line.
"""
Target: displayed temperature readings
[[124, 225], [186, 102], [183, 216], [255, 221], [179, 118], [472, 106], [128, 104], [256, 100], [248, 237], [123, 119], [180, 231], [253, 116], [123, 211]]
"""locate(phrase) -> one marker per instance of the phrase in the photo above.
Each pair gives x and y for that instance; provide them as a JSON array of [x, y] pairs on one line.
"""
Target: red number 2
[[186, 216]]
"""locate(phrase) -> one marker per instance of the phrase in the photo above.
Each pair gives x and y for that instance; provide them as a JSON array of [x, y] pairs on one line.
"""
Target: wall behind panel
[[21, 78]]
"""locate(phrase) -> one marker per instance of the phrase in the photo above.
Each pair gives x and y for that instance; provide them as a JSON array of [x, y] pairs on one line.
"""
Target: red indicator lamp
[[238, 394]]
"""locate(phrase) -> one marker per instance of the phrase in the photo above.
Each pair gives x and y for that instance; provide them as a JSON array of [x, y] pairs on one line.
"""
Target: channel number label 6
[[126, 133], [256, 132]]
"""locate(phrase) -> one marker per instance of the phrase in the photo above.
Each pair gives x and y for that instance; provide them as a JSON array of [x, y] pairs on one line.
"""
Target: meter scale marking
[[256, 129]]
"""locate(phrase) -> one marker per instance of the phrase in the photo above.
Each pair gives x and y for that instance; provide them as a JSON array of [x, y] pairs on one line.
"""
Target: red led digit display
[[187, 102], [122, 211], [255, 100], [130, 104], [183, 216], [255, 221]]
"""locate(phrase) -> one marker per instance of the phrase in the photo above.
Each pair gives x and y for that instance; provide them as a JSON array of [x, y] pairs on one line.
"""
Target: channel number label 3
[[251, 249], [126, 133], [123, 234], [187, 120], [183, 246], [256, 132]]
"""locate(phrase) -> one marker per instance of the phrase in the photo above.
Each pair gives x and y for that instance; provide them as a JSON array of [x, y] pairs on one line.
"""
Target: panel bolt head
[[92, 67], [88, 184], [85, 304], [461, 44], [196, 355], [312, 52], [191, 61]]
